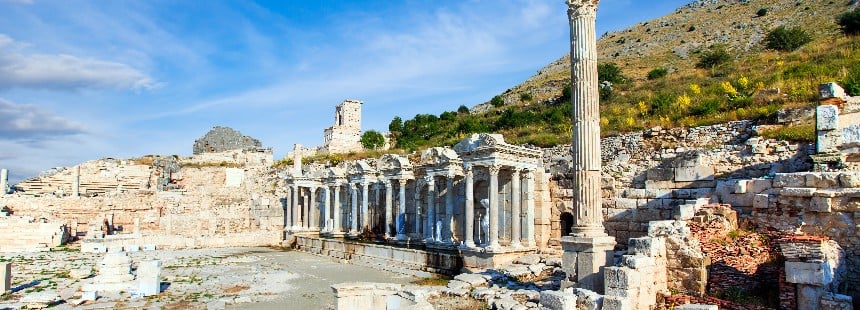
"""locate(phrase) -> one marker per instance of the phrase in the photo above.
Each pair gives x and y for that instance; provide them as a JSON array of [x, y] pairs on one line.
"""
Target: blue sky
[[82, 80]]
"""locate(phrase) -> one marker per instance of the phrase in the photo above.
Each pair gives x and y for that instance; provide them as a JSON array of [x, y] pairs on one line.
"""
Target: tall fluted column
[[469, 227], [353, 212], [529, 201], [419, 217], [401, 214], [429, 234], [494, 208], [388, 197], [325, 212], [516, 207], [288, 208], [336, 212], [76, 182], [365, 215], [588, 249], [312, 208], [297, 217], [585, 98], [447, 229]]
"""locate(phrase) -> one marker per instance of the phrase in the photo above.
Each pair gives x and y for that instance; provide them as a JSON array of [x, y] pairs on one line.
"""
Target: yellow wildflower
[[695, 89], [729, 89], [683, 101]]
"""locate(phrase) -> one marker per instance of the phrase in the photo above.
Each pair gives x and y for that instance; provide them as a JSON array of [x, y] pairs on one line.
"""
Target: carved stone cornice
[[577, 8]]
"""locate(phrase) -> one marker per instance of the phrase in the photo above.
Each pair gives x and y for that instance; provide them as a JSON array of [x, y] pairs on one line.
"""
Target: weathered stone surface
[[617, 303], [827, 117], [457, 284], [647, 246], [696, 173], [553, 261], [528, 259], [149, 277], [555, 300], [40, 300], [5, 277], [221, 139], [789, 180], [761, 201], [472, 279], [819, 274], [697, 307]]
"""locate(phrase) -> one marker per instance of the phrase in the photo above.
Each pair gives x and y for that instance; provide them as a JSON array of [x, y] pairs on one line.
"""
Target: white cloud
[[28, 122], [19, 69]]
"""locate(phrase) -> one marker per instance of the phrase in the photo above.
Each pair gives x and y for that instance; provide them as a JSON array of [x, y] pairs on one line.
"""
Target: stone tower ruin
[[345, 135]]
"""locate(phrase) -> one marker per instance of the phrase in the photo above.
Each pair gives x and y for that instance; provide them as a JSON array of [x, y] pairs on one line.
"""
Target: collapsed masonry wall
[[28, 234], [95, 177], [810, 203], [658, 174], [212, 206]]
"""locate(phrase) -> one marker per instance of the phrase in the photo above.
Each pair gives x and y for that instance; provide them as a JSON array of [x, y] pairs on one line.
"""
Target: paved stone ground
[[231, 278]]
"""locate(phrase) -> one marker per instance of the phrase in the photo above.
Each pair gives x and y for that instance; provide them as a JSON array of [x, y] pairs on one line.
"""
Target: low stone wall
[[23, 233], [422, 263]]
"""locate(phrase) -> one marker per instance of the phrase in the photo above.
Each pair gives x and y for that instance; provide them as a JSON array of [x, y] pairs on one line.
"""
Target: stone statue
[[438, 236], [485, 222]]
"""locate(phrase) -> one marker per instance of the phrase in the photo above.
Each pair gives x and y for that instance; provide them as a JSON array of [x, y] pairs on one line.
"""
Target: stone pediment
[[478, 141], [335, 173], [389, 162], [439, 156], [360, 167]]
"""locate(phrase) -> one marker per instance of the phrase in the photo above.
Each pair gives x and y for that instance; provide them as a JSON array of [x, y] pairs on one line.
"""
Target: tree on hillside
[[609, 71], [463, 109], [714, 57], [850, 22], [372, 140], [786, 39]]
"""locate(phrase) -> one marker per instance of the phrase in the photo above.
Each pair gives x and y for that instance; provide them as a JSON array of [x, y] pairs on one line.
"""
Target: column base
[[401, 237], [585, 258], [478, 259]]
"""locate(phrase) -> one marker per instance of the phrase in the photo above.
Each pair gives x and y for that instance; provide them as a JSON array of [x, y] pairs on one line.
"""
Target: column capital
[[467, 167], [430, 180], [402, 182], [576, 8], [494, 169], [529, 174], [387, 184]]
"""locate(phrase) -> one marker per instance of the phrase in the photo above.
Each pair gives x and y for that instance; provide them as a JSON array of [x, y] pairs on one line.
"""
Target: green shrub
[[706, 107], [610, 72], [850, 22], [372, 140], [851, 83], [463, 109], [761, 12], [657, 73], [714, 57], [802, 133], [497, 101], [786, 39], [565, 92], [525, 97], [661, 104]]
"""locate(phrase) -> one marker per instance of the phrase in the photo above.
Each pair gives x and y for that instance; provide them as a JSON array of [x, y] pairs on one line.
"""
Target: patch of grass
[[431, 282], [212, 164], [800, 133]]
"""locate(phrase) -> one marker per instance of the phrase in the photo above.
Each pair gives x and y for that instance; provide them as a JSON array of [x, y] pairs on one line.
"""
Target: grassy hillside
[[753, 83]]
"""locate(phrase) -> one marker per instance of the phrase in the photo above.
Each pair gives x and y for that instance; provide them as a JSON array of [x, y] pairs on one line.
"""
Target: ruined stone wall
[[94, 177], [244, 157], [810, 203], [663, 174], [345, 135], [204, 211]]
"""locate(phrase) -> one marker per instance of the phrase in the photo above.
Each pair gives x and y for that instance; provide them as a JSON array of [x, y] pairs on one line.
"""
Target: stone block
[[831, 90], [684, 212], [761, 201], [555, 300], [99, 249], [827, 117], [849, 179], [6, 277], [114, 249], [758, 186], [695, 173], [821, 204], [828, 141], [148, 247], [797, 192], [472, 279], [831, 301], [638, 262], [822, 180], [789, 180], [616, 303], [741, 187], [89, 296], [132, 248], [621, 277], [647, 246], [660, 174], [149, 277], [528, 259], [625, 203], [818, 274]]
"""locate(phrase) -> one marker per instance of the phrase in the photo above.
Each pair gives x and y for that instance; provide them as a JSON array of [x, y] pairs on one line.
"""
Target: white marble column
[[325, 212], [419, 217], [353, 212], [401, 211], [4, 182], [447, 229], [388, 211], [494, 208], [516, 207], [469, 227], [365, 213], [76, 183], [336, 212], [312, 208], [430, 227], [288, 208], [585, 98], [529, 201], [297, 216]]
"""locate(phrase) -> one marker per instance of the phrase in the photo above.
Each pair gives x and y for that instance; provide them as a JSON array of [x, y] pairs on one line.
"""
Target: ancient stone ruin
[[221, 139]]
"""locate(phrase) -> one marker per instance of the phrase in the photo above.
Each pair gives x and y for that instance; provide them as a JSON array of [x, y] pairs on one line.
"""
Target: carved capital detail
[[494, 169], [577, 8]]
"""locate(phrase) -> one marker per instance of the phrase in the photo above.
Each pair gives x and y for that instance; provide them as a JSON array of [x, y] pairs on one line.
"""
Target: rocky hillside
[[672, 41]]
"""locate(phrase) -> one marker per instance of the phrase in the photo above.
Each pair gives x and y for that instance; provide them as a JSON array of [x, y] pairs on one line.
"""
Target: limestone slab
[[555, 300], [818, 274]]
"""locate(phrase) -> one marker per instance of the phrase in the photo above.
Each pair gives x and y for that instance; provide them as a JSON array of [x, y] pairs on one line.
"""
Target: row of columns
[[300, 216]]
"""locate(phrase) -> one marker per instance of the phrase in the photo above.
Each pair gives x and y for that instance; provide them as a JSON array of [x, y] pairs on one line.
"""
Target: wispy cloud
[[26, 122], [20, 69]]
